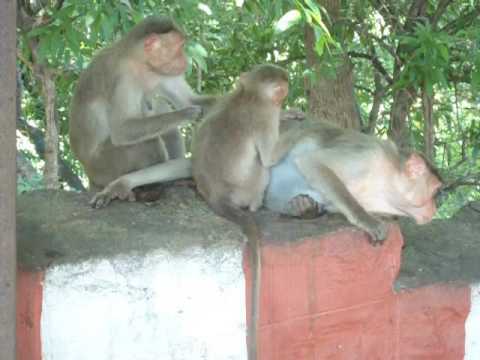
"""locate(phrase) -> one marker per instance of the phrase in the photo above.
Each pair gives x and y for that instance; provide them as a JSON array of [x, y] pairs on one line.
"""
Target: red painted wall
[[332, 298], [29, 310]]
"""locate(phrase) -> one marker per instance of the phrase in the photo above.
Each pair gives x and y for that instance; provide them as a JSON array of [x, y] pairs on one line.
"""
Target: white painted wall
[[156, 307], [472, 326]]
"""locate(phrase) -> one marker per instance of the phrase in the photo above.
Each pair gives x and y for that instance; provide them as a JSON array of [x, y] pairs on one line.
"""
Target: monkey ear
[[415, 166], [150, 42], [279, 93]]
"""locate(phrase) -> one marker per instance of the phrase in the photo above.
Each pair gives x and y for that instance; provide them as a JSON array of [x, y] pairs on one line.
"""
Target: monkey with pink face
[[126, 110], [343, 170]]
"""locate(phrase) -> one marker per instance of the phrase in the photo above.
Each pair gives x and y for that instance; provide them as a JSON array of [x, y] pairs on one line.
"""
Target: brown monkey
[[233, 149], [339, 170], [126, 109]]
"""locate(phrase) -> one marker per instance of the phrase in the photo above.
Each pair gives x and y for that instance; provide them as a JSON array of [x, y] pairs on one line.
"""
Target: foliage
[[436, 48]]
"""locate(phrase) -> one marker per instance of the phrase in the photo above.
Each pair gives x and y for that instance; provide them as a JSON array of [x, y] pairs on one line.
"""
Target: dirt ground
[[59, 227]]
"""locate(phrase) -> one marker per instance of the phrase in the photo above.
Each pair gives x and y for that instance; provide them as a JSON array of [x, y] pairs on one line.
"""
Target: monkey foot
[[115, 190], [149, 193], [378, 232], [185, 182], [303, 206], [292, 114]]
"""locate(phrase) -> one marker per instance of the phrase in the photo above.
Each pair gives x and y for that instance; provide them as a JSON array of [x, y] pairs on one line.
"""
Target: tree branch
[[442, 6], [375, 62], [383, 44], [457, 183], [388, 13], [462, 21], [23, 59], [378, 95], [37, 137]]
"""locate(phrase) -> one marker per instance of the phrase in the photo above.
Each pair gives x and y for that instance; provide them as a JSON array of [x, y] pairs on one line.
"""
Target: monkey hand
[[117, 189], [193, 112], [292, 114], [377, 229]]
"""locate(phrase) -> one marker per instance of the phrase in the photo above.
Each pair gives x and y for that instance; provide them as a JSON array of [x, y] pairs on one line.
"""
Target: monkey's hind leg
[[322, 179], [121, 188]]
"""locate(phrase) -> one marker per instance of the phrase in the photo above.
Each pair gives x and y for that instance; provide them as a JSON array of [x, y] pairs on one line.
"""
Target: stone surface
[[442, 251], [60, 227], [445, 250]]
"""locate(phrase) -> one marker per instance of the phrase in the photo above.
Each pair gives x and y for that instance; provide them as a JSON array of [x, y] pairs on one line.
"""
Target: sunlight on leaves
[[205, 8], [288, 20]]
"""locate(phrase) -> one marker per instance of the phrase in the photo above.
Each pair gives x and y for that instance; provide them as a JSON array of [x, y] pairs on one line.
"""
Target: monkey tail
[[250, 228]]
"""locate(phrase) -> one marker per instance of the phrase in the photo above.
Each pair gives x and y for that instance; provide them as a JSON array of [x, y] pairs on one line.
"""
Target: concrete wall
[[326, 292]]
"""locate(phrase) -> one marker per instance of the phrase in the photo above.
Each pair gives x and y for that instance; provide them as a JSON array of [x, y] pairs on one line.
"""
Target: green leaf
[[429, 88], [73, 39], [312, 6], [205, 8], [127, 4], [476, 78], [201, 63], [197, 49], [38, 31], [443, 52], [320, 45], [107, 27], [289, 19]]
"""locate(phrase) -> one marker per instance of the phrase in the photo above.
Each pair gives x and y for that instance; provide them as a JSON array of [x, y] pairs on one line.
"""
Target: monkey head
[[163, 46], [416, 185], [267, 81]]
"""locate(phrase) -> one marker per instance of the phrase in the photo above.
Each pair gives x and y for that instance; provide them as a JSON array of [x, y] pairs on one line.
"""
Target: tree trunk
[[399, 132], [50, 172], [404, 98], [37, 138], [47, 79], [377, 102], [428, 125], [331, 99]]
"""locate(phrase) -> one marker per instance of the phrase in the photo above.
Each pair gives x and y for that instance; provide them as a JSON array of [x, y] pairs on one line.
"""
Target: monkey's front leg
[[205, 101], [136, 130]]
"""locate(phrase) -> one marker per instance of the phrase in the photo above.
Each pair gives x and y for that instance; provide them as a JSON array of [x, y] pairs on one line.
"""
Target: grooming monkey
[[341, 170], [126, 110], [235, 145]]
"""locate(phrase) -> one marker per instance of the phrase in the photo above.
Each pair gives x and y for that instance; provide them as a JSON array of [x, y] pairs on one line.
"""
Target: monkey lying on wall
[[341, 170]]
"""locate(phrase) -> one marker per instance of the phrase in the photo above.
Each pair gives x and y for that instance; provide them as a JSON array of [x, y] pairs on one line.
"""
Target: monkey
[[234, 147], [126, 110], [328, 168]]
